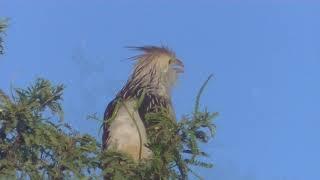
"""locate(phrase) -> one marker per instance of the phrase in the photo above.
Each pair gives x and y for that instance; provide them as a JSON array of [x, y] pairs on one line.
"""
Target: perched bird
[[155, 72]]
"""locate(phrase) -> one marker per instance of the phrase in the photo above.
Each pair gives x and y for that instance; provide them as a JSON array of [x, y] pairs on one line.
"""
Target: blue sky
[[265, 56]]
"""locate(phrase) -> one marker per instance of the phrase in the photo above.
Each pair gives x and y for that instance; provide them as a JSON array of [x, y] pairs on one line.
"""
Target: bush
[[36, 143]]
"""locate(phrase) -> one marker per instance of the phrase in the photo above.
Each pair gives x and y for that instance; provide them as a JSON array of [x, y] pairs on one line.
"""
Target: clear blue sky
[[265, 56]]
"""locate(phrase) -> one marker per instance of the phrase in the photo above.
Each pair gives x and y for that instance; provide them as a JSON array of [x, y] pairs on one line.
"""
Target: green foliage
[[3, 26], [36, 144]]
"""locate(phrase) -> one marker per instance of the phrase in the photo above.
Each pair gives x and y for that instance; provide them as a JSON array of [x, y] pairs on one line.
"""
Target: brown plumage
[[155, 72]]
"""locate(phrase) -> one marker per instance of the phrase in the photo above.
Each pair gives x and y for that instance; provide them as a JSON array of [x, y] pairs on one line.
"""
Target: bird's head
[[157, 69]]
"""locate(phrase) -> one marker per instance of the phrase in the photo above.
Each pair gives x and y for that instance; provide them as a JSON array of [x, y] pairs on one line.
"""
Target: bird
[[150, 84]]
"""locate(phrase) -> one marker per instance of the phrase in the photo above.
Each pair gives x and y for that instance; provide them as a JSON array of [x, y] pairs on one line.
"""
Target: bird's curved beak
[[178, 66]]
